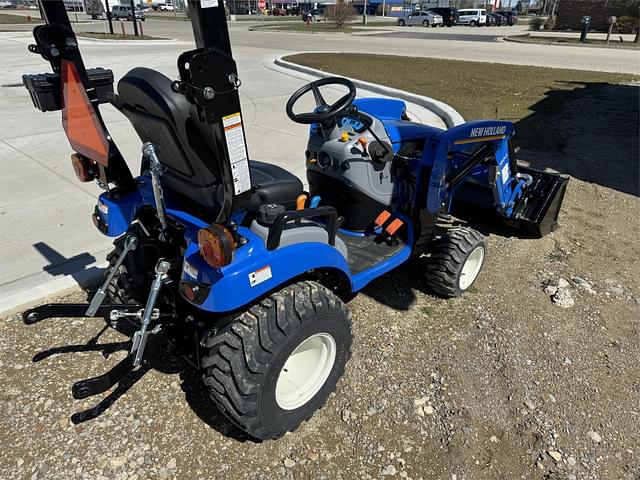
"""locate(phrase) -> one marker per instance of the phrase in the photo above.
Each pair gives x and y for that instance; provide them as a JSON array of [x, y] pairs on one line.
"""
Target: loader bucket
[[536, 213]]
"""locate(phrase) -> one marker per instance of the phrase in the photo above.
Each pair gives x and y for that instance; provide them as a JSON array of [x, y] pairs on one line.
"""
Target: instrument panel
[[349, 121]]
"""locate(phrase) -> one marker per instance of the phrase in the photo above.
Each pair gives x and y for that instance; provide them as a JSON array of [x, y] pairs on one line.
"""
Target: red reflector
[[216, 245], [188, 292], [79, 119], [81, 167], [394, 226], [382, 218]]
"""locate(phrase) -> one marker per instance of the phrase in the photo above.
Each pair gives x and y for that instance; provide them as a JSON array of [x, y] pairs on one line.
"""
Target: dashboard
[[356, 124]]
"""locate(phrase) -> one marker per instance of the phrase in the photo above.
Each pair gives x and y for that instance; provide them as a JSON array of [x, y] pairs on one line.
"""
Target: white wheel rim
[[305, 371], [471, 268]]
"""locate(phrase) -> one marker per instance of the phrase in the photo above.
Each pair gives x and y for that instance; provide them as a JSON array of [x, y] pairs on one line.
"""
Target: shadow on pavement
[[76, 266], [589, 132]]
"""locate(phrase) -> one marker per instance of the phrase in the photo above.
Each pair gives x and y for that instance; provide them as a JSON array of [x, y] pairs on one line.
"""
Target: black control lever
[[378, 144]]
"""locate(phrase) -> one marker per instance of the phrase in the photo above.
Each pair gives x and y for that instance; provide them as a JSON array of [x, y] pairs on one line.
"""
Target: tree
[[341, 13]]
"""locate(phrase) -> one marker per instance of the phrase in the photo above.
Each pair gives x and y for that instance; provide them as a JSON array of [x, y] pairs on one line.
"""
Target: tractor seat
[[192, 179]]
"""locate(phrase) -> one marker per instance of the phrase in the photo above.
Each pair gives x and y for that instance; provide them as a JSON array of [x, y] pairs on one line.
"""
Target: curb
[[523, 39], [102, 41], [449, 115], [29, 295]]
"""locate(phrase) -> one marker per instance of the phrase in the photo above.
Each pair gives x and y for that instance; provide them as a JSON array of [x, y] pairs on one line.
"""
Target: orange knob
[[300, 201]]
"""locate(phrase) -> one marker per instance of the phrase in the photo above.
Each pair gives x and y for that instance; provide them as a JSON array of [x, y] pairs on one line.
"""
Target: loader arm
[[479, 156]]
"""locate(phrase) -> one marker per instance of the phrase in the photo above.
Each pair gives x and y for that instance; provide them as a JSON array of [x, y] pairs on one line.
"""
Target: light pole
[[364, 13]]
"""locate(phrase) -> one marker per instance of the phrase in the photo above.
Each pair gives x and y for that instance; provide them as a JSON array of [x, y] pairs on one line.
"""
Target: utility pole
[[133, 18], [364, 14], [108, 13]]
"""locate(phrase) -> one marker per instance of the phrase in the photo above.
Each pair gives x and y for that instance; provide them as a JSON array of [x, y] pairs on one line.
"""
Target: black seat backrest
[[164, 117]]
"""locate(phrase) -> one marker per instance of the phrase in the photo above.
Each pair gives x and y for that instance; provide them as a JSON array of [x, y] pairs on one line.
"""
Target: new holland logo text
[[488, 131]]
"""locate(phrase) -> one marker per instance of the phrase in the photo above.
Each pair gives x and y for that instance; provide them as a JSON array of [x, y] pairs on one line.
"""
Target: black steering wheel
[[323, 111]]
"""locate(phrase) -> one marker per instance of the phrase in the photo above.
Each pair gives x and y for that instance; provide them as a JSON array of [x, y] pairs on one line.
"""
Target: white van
[[472, 16]]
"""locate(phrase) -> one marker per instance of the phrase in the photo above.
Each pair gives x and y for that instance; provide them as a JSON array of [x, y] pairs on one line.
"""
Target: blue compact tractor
[[230, 259]]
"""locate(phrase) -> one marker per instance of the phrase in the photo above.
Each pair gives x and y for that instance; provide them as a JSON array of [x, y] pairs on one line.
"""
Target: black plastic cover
[[268, 214], [46, 93]]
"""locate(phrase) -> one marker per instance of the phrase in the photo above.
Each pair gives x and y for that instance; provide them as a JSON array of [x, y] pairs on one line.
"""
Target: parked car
[[449, 15], [500, 20], [510, 17], [494, 19], [167, 8], [425, 19], [279, 12], [124, 11], [472, 16], [312, 15]]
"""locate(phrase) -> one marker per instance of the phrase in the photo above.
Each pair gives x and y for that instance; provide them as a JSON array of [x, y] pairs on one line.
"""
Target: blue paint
[[382, 108]]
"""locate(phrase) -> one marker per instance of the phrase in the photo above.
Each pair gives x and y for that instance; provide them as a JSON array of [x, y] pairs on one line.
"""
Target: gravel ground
[[502, 383], [534, 374]]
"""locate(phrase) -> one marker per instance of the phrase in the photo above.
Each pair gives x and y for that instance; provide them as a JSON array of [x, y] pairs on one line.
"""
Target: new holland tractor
[[230, 259]]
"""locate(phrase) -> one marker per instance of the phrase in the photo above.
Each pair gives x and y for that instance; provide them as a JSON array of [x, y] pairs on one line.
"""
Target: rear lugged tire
[[455, 261], [274, 365]]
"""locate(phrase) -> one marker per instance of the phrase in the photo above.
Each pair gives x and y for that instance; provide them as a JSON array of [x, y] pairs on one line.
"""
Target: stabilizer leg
[[130, 244]]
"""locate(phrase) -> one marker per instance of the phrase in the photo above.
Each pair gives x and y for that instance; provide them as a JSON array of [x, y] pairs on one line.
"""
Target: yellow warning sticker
[[234, 135]]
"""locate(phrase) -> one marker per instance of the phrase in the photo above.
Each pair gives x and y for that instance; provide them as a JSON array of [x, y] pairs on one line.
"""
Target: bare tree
[[341, 13]]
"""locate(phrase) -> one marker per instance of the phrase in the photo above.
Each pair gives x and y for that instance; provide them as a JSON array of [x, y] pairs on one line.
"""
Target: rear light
[[216, 245], [84, 169], [194, 292]]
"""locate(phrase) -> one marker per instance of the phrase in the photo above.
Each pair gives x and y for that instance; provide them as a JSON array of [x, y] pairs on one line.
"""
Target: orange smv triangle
[[79, 119]]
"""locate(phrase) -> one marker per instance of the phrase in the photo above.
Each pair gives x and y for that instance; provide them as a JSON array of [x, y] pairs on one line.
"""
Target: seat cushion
[[273, 184]]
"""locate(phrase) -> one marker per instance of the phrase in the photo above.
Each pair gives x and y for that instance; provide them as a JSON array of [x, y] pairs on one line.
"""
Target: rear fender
[[113, 215], [255, 271]]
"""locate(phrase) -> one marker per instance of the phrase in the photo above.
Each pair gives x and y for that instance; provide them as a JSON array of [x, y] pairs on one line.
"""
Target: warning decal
[[237, 152], [260, 276], [208, 3]]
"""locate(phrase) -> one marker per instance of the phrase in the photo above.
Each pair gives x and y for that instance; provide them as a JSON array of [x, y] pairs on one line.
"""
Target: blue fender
[[256, 271]]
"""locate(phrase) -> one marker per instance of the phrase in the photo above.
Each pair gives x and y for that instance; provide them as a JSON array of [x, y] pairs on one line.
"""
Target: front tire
[[456, 260], [274, 365], [401, 23]]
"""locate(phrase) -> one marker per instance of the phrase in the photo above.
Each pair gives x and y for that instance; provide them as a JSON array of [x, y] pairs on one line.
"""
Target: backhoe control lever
[[130, 244]]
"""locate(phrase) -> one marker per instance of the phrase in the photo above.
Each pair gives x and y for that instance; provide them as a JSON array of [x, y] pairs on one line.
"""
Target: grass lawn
[[476, 90], [9, 19], [575, 41], [115, 36]]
